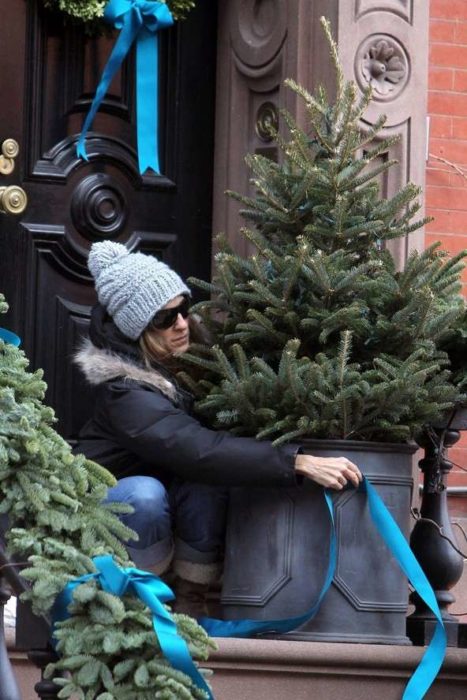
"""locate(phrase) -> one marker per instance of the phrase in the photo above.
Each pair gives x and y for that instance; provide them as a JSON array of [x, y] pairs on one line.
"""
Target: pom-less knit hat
[[132, 286]]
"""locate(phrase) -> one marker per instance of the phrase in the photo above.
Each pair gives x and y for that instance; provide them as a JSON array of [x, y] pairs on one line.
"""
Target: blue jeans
[[188, 519]]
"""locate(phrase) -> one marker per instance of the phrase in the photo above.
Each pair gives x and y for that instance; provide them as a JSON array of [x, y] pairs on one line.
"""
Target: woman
[[169, 467]]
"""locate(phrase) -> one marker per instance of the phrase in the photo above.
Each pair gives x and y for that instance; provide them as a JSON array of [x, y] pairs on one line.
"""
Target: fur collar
[[99, 365]]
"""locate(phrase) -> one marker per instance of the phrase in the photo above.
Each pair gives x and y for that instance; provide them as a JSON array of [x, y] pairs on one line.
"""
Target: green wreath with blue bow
[[91, 12]]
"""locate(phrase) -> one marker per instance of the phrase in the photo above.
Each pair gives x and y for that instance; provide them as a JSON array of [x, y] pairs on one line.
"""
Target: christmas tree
[[317, 334], [57, 524]]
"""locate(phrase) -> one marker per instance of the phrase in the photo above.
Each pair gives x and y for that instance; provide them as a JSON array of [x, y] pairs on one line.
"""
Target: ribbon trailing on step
[[9, 337], [390, 532], [153, 593], [140, 21], [433, 658]]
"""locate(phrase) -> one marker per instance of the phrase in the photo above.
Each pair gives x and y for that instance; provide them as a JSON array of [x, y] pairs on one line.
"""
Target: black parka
[[143, 424]]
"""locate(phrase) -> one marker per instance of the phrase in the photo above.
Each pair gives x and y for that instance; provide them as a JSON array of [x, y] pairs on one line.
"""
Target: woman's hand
[[330, 472]]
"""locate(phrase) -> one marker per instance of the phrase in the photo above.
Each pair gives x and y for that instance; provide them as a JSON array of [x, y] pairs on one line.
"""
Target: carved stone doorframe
[[261, 42]]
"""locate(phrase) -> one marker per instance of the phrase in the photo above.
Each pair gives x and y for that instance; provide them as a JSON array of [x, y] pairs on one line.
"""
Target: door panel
[[48, 75]]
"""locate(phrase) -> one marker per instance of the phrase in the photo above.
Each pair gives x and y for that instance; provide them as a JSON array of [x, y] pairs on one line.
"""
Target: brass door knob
[[10, 150], [13, 200]]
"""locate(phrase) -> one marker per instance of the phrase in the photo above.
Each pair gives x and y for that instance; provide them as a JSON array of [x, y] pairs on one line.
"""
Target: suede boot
[[190, 598]]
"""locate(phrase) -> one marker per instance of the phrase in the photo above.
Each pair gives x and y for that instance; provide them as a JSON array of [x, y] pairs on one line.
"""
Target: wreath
[[92, 11], [57, 524]]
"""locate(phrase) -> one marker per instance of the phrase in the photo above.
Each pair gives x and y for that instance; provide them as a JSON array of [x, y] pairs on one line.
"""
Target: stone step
[[282, 670], [26, 674], [279, 670]]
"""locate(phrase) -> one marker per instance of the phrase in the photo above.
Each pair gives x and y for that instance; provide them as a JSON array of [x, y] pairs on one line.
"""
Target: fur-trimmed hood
[[100, 365]]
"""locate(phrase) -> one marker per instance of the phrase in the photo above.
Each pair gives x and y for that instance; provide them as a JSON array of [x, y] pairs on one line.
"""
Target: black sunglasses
[[165, 318]]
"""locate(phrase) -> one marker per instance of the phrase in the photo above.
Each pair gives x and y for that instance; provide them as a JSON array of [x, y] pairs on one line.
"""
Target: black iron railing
[[32, 635], [433, 540]]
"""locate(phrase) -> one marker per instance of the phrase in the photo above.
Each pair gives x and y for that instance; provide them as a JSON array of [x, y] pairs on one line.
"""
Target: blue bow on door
[[138, 20]]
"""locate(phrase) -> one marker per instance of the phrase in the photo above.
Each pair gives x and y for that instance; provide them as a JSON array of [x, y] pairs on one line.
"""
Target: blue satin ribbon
[[9, 337], [153, 593], [138, 20], [433, 658], [389, 530]]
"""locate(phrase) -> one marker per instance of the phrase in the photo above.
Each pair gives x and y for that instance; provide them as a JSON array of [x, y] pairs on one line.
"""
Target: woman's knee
[[147, 496], [141, 491]]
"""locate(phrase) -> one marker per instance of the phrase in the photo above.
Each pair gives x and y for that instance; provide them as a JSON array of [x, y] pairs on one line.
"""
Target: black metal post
[[31, 631], [8, 686], [45, 689], [33, 635], [432, 537]]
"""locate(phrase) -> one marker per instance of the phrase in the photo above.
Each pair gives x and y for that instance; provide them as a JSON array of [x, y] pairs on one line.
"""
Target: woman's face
[[176, 338]]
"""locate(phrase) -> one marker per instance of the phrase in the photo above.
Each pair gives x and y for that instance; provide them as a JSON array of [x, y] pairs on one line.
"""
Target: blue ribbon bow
[[9, 337], [389, 530], [140, 20], [153, 593]]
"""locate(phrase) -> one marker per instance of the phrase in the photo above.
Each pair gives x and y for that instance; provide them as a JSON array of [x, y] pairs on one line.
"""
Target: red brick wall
[[446, 189]]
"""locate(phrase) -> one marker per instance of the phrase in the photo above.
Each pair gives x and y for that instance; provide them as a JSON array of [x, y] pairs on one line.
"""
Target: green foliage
[[81, 10], [326, 397], [90, 11], [58, 524], [316, 333], [455, 344]]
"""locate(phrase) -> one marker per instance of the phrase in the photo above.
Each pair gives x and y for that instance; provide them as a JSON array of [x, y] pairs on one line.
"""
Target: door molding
[[260, 43]]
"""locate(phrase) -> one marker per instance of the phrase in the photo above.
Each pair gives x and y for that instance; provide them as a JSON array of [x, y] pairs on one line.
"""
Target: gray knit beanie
[[132, 286]]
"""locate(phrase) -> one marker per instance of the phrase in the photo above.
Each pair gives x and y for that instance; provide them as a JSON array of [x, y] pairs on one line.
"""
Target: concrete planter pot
[[277, 552]]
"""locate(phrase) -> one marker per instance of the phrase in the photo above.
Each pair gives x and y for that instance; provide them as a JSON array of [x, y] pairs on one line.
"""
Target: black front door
[[48, 75]]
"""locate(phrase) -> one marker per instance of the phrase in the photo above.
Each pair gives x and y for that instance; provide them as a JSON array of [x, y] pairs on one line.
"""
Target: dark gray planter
[[277, 552]]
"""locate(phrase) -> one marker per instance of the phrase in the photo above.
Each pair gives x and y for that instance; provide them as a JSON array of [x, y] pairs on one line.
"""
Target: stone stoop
[[27, 675], [248, 669]]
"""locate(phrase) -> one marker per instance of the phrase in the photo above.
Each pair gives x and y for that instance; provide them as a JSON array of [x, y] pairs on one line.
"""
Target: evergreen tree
[[317, 333], [57, 522]]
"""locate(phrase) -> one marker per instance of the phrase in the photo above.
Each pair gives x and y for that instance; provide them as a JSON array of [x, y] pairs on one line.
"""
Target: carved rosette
[[99, 207], [382, 62]]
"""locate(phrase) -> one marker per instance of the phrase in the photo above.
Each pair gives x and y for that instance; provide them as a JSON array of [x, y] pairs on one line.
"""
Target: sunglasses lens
[[165, 318], [168, 319]]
